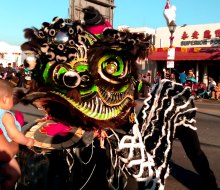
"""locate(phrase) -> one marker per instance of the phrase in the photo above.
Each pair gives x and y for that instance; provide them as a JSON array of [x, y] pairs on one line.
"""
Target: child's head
[[6, 95]]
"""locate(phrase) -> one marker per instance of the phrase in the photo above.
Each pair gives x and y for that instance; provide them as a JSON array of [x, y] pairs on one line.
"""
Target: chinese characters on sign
[[195, 34], [207, 38], [217, 33]]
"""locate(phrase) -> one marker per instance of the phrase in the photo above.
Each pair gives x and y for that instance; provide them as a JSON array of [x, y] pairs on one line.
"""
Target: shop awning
[[186, 54]]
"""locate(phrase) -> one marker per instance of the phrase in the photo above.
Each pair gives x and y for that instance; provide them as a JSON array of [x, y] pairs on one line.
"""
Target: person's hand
[[30, 142]]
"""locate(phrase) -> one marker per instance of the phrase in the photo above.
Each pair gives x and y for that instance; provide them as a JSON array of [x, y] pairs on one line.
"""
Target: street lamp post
[[172, 28], [170, 16]]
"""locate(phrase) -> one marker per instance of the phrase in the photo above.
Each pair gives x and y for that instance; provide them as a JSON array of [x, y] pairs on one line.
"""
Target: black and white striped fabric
[[145, 153]]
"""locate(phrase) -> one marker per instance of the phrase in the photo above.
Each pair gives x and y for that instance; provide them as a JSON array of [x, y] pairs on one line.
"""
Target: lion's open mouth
[[60, 106], [95, 108]]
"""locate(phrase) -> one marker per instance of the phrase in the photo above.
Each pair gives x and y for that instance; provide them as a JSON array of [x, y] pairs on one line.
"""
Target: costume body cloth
[[191, 144]]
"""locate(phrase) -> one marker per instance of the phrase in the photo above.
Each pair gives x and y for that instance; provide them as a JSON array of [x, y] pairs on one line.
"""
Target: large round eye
[[111, 65], [111, 68]]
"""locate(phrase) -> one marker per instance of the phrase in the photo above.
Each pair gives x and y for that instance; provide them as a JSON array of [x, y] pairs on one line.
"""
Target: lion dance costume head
[[86, 80]]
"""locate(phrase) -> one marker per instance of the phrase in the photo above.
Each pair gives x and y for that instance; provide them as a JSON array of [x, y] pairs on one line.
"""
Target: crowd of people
[[198, 88], [15, 75]]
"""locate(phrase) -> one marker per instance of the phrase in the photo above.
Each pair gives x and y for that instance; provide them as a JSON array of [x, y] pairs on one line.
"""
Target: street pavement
[[214, 112], [198, 102], [183, 176]]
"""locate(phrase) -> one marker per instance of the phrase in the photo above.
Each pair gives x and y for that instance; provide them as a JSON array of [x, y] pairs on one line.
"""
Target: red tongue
[[55, 129]]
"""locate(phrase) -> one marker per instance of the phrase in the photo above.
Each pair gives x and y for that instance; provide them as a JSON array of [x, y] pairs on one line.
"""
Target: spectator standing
[[191, 81], [149, 77], [10, 72], [166, 73], [10, 125], [173, 77], [2, 71], [190, 74], [157, 78], [146, 84], [211, 87], [21, 76], [182, 77], [11, 75]]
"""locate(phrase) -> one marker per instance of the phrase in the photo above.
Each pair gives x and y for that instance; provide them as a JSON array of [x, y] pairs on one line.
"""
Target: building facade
[[196, 47], [105, 7], [10, 54]]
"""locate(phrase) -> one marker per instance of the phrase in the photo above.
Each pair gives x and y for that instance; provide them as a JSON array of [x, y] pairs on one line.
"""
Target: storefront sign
[[170, 64], [212, 42], [170, 57], [171, 54], [206, 38]]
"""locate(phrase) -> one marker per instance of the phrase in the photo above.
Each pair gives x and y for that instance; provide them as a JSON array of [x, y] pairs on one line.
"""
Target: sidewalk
[[208, 101], [209, 106], [198, 103]]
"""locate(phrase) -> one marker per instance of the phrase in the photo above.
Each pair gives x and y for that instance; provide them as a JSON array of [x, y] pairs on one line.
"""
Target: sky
[[16, 15]]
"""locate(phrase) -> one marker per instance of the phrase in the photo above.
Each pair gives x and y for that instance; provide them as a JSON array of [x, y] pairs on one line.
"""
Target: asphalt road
[[182, 174]]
